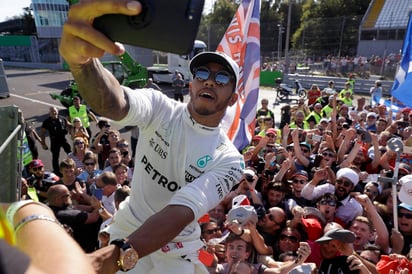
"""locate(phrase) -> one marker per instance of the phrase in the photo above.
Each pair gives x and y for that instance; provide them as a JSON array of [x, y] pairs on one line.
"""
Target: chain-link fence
[[325, 45]]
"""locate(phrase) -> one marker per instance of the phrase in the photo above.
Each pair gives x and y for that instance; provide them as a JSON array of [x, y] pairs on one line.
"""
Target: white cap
[[405, 193], [221, 58]]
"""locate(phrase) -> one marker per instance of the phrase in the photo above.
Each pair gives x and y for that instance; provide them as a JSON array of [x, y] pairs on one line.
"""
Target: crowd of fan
[[311, 198], [323, 178]]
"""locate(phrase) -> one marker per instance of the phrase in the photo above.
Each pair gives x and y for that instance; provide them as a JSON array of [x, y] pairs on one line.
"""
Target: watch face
[[130, 258]]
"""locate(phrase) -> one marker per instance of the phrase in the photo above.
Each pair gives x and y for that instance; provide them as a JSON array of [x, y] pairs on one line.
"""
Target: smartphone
[[317, 160], [164, 25], [317, 138]]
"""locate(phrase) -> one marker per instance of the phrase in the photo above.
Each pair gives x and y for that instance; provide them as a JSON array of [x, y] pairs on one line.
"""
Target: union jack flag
[[242, 42]]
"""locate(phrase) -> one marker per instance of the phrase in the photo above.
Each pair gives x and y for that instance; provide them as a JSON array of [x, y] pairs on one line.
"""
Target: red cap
[[271, 131], [36, 163], [204, 219], [313, 228]]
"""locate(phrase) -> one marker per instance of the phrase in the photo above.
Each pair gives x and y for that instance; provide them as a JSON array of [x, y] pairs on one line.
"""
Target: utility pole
[[287, 61]]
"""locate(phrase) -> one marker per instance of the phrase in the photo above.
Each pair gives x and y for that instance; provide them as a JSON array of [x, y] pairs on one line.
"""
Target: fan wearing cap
[[40, 179], [186, 163], [338, 255], [376, 92], [371, 118], [346, 180], [405, 214]]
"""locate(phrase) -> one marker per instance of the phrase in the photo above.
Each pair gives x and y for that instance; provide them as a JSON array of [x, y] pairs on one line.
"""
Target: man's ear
[[233, 99]]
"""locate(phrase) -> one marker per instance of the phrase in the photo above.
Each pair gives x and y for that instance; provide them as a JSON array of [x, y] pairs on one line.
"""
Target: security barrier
[[4, 88], [11, 153]]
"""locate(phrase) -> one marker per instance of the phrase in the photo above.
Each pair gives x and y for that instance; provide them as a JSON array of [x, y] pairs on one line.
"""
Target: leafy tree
[[213, 25], [329, 26], [28, 25]]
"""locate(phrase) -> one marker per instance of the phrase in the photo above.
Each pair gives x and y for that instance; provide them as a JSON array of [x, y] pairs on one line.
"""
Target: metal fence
[[11, 138]]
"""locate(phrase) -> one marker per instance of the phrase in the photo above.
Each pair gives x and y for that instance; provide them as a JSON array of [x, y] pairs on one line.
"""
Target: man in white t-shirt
[[185, 165]]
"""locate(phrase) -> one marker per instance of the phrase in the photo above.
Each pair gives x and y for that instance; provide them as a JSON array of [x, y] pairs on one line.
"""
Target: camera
[[403, 124], [249, 175], [365, 135], [260, 211]]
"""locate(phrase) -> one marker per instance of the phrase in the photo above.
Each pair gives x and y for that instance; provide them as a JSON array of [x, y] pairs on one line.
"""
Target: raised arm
[[382, 234], [81, 46]]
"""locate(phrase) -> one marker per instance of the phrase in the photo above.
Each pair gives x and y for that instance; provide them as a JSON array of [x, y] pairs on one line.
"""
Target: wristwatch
[[128, 255]]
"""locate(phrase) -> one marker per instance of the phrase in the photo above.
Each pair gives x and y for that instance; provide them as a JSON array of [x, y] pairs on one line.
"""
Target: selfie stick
[[396, 145]]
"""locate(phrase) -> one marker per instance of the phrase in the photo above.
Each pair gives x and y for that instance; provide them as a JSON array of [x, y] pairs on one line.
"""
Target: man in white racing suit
[[186, 163]]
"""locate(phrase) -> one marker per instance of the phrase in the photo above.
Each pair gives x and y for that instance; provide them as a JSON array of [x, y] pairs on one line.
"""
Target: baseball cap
[[348, 173], [371, 114], [406, 167], [240, 200], [36, 163], [242, 214], [313, 212], [405, 206], [300, 173], [313, 228], [271, 131], [406, 110], [339, 234], [305, 144], [405, 193], [324, 120], [204, 58]]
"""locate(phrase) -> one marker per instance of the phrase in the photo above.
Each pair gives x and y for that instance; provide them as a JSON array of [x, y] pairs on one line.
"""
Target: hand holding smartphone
[[164, 25]]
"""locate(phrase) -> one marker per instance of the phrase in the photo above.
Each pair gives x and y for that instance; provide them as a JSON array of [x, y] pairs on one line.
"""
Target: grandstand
[[383, 27]]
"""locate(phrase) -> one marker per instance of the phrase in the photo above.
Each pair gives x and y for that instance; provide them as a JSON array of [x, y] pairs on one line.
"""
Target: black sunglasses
[[211, 231], [221, 77], [272, 219], [329, 154], [299, 181], [89, 164], [406, 215], [291, 238], [345, 183], [328, 202]]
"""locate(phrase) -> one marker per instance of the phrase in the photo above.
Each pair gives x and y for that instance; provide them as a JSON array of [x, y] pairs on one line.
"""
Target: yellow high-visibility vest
[[81, 113]]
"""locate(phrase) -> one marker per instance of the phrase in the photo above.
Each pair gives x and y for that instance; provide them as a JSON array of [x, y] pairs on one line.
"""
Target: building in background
[[41, 50], [383, 27]]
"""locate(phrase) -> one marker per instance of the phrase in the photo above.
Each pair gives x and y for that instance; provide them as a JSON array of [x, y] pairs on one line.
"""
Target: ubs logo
[[202, 162], [158, 149]]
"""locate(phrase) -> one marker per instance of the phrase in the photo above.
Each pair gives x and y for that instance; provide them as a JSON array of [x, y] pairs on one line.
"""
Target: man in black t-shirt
[[57, 129], [84, 221]]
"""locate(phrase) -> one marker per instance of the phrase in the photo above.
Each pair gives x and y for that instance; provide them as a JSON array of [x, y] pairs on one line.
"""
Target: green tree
[[29, 27], [213, 25], [329, 26]]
